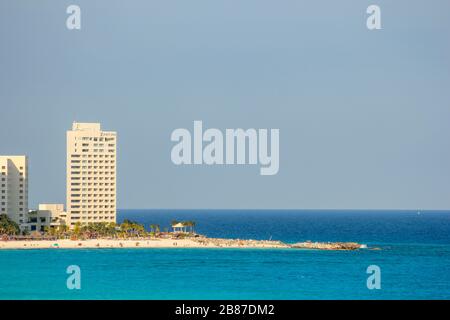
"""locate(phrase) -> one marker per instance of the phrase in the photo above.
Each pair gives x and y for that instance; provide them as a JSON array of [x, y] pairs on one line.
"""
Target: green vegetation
[[7, 226], [190, 224], [60, 232], [128, 229]]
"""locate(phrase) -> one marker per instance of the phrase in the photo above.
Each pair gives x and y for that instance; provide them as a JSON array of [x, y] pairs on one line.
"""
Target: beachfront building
[[47, 216], [91, 174], [14, 187]]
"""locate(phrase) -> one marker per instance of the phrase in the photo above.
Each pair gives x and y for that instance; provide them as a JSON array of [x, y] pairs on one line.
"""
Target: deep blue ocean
[[414, 260]]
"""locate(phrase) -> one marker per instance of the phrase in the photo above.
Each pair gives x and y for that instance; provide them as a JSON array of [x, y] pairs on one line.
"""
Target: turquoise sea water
[[414, 260]]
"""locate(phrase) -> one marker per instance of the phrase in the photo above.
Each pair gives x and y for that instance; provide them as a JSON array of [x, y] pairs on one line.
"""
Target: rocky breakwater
[[238, 243], [346, 246]]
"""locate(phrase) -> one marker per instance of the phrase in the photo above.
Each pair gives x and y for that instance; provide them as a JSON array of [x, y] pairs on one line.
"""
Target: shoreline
[[150, 243]]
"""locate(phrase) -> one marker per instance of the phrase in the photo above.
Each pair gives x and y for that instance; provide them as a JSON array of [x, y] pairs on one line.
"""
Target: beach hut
[[179, 227]]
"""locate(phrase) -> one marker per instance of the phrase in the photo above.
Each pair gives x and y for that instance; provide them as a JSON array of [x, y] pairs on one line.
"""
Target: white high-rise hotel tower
[[91, 174], [14, 187]]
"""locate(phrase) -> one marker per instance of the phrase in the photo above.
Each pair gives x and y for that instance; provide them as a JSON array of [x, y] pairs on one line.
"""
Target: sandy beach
[[199, 242], [139, 243]]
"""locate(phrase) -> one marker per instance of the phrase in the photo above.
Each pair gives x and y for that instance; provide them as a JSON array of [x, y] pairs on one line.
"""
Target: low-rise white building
[[47, 216]]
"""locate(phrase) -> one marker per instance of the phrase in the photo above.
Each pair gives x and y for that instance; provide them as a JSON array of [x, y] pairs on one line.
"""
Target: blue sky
[[363, 115]]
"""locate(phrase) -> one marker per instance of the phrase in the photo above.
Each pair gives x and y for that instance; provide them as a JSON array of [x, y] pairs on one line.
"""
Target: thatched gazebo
[[178, 228]]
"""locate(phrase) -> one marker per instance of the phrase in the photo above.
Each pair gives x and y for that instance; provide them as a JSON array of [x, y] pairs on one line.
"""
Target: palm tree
[[62, 230], [77, 229], [49, 231], [26, 232], [190, 224], [186, 224], [111, 229], [130, 227], [8, 226]]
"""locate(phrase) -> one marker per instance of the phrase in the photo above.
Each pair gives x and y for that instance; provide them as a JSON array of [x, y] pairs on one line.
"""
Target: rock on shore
[[328, 245]]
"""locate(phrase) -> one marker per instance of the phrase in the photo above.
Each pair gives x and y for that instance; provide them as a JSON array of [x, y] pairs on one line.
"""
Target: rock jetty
[[347, 246]]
